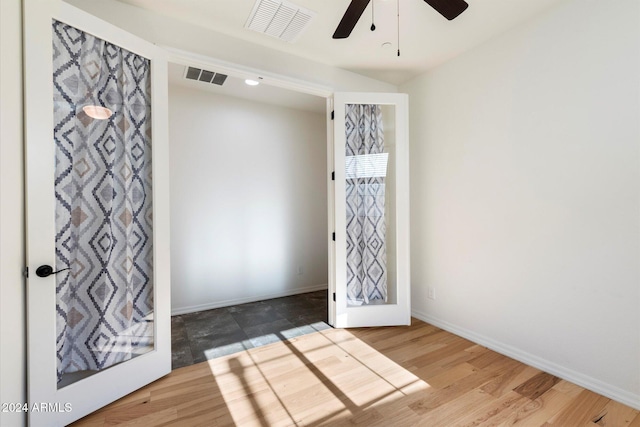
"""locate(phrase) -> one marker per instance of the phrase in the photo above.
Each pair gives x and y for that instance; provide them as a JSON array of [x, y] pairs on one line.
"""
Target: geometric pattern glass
[[103, 210], [365, 191]]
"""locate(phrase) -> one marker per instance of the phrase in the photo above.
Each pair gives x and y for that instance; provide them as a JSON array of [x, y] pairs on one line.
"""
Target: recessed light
[[386, 45], [97, 112], [252, 82]]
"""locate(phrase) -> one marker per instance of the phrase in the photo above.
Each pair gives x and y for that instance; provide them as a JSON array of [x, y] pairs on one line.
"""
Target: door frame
[[331, 213], [79, 399], [188, 58], [197, 60]]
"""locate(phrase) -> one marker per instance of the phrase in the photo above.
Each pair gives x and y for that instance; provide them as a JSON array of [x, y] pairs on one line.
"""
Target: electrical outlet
[[431, 293]]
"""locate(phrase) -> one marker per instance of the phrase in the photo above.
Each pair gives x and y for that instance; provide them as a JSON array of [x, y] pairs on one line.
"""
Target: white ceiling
[[236, 87], [426, 38]]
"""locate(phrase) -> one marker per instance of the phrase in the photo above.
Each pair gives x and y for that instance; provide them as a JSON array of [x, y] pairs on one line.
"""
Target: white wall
[[248, 200], [12, 299], [525, 192]]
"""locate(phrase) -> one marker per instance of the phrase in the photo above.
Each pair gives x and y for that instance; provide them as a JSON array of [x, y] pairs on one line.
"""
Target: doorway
[[249, 210]]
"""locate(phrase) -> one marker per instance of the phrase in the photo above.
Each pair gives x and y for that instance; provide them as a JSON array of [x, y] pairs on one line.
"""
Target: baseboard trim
[[597, 386], [236, 301]]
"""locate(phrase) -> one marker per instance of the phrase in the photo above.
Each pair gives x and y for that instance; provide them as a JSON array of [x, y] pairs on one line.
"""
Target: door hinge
[[333, 115], [25, 272], [334, 297], [333, 176], [333, 236]]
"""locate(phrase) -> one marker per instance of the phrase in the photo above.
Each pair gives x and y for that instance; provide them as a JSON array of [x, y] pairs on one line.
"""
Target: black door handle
[[47, 270]]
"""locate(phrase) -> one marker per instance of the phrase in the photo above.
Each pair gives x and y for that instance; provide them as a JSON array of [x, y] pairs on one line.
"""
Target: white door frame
[[331, 217], [95, 391], [398, 312]]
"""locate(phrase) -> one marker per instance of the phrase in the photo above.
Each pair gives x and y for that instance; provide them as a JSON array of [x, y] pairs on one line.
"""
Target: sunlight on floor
[[264, 386], [417, 375]]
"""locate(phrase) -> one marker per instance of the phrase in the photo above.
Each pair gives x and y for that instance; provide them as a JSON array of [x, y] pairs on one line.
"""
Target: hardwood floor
[[405, 376]]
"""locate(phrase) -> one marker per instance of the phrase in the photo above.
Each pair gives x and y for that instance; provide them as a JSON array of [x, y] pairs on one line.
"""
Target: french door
[[98, 282], [370, 278]]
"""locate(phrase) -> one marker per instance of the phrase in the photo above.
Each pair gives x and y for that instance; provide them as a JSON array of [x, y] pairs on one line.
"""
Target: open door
[[371, 211], [97, 212]]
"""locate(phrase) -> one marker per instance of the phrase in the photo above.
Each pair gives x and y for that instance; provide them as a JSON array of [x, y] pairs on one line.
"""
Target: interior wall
[[12, 260], [525, 192], [248, 200]]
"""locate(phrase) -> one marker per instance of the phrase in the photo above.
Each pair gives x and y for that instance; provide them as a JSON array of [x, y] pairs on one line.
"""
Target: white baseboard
[[597, 386], [236, 301]]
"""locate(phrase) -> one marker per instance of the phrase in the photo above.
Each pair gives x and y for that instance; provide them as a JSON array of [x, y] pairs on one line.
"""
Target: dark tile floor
[[196, 337]]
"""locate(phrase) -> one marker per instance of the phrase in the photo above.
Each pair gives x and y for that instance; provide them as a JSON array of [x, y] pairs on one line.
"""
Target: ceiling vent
[[279, 19], [198, 74]]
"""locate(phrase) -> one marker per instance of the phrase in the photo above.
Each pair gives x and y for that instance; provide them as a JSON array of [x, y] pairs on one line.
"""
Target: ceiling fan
[[450, 9]]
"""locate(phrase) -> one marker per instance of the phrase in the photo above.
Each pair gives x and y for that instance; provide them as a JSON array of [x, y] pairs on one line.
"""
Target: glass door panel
[[103, 209], [371, 161], [369, 205]]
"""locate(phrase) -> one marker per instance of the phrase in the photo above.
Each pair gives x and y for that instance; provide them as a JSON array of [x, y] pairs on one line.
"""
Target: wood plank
[[452, 375], [583, 409], [147, 417], [537, 385], [635, 422], [495, 412], [570, 389], [538, 411], [415, 375], [445, 415], [434, 399], [509, 379], [615, 415], [488, 358], [438, 366]]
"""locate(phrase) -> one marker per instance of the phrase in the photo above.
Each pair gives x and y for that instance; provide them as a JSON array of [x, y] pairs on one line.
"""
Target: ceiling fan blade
[[350, 18], [450, 9]]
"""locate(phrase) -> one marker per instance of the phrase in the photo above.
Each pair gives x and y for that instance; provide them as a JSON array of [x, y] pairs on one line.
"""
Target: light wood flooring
[[404, 376]]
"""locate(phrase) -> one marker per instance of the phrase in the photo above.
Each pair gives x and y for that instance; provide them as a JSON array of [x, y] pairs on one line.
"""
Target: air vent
[[205, 76], [279, 19]]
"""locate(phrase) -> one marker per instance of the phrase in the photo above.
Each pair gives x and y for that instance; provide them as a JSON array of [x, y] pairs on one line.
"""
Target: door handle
[[47, 270]]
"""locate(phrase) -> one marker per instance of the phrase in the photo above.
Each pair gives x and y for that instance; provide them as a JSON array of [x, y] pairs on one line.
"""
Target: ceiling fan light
[[97, 112]]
